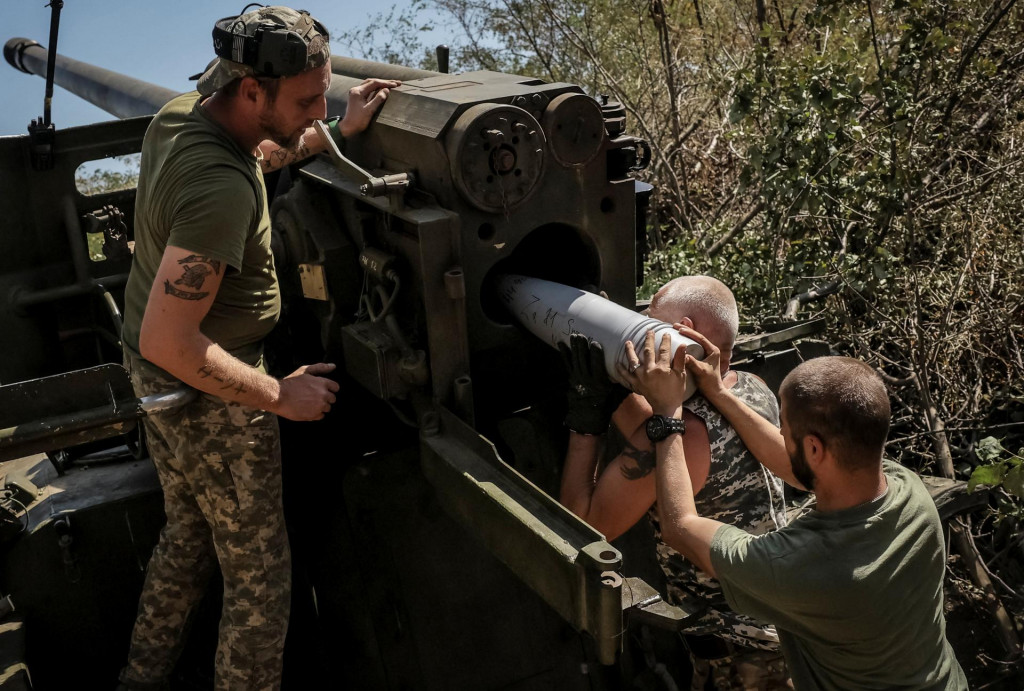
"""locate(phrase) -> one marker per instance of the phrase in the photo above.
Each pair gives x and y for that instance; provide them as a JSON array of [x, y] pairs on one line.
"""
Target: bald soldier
[[608, 479]]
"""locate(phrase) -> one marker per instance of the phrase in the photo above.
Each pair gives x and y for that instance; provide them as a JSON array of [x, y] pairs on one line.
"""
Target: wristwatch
[[660, 427]]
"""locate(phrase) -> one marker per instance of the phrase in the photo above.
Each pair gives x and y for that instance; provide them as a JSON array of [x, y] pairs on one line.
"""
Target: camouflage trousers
[[742, 669], [219, 465]]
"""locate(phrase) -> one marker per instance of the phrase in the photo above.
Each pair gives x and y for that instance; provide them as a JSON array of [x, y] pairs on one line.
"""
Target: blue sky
[[160, 42]]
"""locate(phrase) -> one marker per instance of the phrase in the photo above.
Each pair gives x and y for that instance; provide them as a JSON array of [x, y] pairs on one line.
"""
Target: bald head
[[706, 302]]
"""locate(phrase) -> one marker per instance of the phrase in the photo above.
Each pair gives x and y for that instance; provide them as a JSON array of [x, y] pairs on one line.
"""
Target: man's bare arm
[[681, 528], [613, 502], [662, 381], [182, 294], [364, 100], [276, 157], [760, 436]]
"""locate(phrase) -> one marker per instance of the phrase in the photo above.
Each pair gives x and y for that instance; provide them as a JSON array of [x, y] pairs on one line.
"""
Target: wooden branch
[[696, 10], [736, 229], [962, 543], [1005, 629], [689, 130], [969, 53], [951, 496], [978, 126], [762, 20]]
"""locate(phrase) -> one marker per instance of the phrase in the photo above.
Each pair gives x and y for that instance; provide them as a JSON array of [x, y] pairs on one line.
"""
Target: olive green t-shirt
[[200, 191], [856, 595]]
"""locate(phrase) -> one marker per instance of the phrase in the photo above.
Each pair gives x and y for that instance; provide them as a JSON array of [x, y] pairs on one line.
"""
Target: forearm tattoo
[[285, 156], [196, 269], [206, 372]]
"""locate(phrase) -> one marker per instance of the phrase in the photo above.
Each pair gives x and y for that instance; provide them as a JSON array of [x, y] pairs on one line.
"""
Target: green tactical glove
[[592, 396]]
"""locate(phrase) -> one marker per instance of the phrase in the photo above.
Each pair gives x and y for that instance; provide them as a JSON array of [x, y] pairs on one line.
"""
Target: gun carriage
[[429, 553]]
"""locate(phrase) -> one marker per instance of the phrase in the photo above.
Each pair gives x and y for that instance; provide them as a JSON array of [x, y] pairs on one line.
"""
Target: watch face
[[656, 428], [660, 427]]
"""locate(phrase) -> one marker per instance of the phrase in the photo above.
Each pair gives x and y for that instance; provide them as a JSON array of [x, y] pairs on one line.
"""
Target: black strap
[[235, 47]]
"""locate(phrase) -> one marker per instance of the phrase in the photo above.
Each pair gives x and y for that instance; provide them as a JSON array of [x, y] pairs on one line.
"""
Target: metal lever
[[370, 185]]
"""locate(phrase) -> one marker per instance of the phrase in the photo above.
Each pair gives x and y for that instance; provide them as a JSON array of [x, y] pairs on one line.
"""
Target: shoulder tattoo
[[195, 270]]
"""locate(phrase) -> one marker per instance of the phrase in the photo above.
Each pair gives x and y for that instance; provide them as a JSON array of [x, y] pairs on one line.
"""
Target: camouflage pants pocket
[[744, 670]]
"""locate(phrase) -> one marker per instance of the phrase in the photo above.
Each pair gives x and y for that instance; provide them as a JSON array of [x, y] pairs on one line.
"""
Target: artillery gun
[[429, 553]]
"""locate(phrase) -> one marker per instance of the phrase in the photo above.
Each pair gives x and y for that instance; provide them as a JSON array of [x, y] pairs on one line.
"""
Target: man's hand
[[706, 373], [305, 395], [661, 377], [592, 396], [363, 101]]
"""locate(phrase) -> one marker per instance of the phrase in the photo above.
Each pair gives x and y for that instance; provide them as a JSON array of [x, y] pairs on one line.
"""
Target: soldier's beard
[[801, 470], [274, 132]]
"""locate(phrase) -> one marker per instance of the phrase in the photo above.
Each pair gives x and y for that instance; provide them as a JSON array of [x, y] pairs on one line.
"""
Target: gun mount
[[446, 404]]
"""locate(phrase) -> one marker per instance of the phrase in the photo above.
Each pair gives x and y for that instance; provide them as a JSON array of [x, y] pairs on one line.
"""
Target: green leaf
[[989, 449], [1013, 482], [991, 475]]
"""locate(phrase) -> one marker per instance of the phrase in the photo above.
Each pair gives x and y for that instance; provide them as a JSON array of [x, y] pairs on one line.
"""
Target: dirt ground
[[971, 631]]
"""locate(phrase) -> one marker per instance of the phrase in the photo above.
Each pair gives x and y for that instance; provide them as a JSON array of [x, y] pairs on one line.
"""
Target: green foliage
[[871, 145], [94, 245], [998, 468], [91, 181], [875, 136], [396, 37]]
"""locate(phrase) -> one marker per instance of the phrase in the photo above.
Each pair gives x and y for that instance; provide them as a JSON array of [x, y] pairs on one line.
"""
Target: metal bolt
[[494, 137], [504, 160]]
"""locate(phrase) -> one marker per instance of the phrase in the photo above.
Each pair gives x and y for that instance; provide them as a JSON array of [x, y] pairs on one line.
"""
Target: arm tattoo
[[645, 461], [283, 156], [198, 258], [228, 383], [184, 295], [197, 268]]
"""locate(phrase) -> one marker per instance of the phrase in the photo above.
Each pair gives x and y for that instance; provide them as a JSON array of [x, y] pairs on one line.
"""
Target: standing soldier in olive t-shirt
[[855, 587], [201, 296]]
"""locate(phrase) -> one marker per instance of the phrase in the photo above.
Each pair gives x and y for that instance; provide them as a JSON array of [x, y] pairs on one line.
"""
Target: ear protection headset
[[272, 51]]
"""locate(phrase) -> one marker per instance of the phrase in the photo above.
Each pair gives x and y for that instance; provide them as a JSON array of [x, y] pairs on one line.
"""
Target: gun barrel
[[127, 97], [115, 93], [363, 69]]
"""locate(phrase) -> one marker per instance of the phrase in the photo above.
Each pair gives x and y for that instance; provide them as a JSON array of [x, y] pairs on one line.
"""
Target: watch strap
[[660, 427]]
